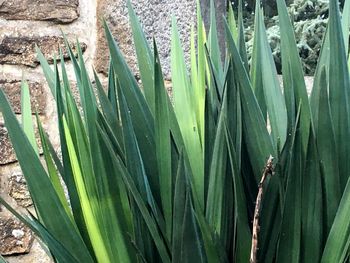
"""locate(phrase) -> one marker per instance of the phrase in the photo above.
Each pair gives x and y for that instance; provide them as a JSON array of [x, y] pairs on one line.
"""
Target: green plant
[[153, 181]]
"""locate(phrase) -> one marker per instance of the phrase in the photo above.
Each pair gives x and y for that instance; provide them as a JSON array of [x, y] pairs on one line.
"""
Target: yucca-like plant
[[235, 169]]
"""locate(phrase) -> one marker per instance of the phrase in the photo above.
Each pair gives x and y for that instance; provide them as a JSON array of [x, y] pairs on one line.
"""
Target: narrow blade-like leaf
[[27, 122]]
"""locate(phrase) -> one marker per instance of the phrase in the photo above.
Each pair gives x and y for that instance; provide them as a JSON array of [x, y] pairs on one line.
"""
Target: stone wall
[[25, 24]]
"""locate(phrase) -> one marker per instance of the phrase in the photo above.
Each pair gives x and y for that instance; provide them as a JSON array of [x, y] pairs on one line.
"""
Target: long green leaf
[[289, 248], [185, 113], [110, 113], [48, 72], [328, 156], [144, 58], [242, 228], [149, 220], [337, 243], [312, 207], [27, 122], [232, 23], [117, 208], [346, 28], [52, 169], [241, 36], [292, 70], [258, 140], [339, 91], [274, 198], [136, 168], [67, 174], [96, 186], [141, 115], [213, 44], [199, 89], [195, 86], [186, 243], [346, 25], [49, 207], [273, 97], [218, 180], [323, 61], [91, 223], [163, 144], [255, 69]]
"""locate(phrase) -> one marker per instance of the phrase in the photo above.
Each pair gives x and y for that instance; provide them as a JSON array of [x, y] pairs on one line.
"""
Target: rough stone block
[[18, 190], [60, 11], [7, 153], [12, 89], [15, 238], [115, 13], [155, 17], [37, 255], [20, 50]]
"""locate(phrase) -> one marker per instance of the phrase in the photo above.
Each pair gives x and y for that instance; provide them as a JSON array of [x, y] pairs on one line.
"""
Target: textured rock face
[[25, 24], [220, 8], [36, 255], [21, 50], [7, 153], [155, 17], [12, 90], [18, 190], [61, 11], [15, 238]]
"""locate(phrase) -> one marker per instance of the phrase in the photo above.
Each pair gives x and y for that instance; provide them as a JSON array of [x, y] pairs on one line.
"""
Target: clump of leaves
[[152, 181]]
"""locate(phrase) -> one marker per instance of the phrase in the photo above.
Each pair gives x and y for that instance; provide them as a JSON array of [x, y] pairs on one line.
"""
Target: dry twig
[[267, 171]]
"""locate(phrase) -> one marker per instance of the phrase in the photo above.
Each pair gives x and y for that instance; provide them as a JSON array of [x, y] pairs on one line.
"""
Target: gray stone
[[15, 237], [60, 11], [18, 190], [12, 89], [155, 17], [220, 8], [7, 153], [21, 50], [36, 255]]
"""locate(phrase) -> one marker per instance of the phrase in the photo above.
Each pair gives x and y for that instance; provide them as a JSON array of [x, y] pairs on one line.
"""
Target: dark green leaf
[[257, 137], [144, 58], [312, 206], [328, 156], [48, 205], [290, 235], [339, 90], [163, 144], [292, 70], [186, 244]]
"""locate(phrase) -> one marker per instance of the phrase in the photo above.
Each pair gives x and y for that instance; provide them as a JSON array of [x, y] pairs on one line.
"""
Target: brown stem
[[256, 228]]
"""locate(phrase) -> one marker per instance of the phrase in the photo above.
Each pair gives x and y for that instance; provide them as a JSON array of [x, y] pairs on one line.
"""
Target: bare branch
[[256, 228]]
